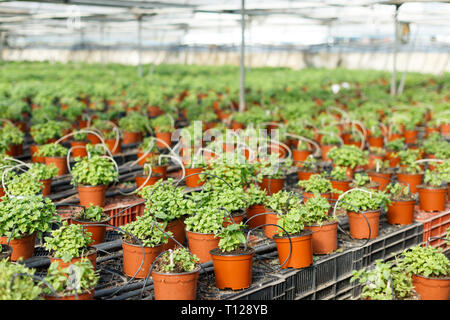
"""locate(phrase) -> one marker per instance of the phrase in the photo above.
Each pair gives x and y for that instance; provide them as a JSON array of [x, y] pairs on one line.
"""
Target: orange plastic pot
[[431, 288], [401, 212], [254, 210], [300, 155], [271, 231], [91, 256], [131, 137], [133, 256], [383, 179], [88, 295], [141, 153], [395, 136], [445, 129], [238, 218], [375, 141], [47, 189], [372, 161], [33, 150], [303, 175], [21, 248], [325, 149], [271, 186], [413, 180], [162, 170], [301, 254], [359, 227], [164, 136], [141, 179], [95, 195], [393, 160], [233, 271], [93, 139], [339, 185], [309, 195], [201, 244], [98, 232], [324, 237], [432, 199], [193, 181], [79, 148], [15, 150], [59, 162], [410, 136], [111, 143], [177, 227], [154, 111], [175, 286]]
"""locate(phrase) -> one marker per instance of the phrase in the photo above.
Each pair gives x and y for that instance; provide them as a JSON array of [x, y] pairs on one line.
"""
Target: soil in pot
[[201, 244], [432, 198], [324, 237], [233, 270], [301, 254], [21, 248], [175, 286], [431, 288], [401, 212], [95, 195], [359, 226], [132, 259]]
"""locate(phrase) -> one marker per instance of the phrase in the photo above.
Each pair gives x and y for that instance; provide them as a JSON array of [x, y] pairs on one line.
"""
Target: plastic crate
[[435, 226], [274, 289], [124, 209]]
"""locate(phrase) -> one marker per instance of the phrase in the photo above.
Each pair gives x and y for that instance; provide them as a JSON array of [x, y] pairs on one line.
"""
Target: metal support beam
[[139, 47], [242, 64], [396, 42]]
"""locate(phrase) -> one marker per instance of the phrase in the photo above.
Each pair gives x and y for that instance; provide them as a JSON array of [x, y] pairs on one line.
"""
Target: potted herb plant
[[433, 191], [70, 243], [78, 144], [44, 133], [392, 148], [308, 168], [91, 217], [91, 176], [147, 177], [429, 269], [133, 125], [23, 185], [24, 219], [255, 199], [328, 142], [175, 275], [45, 174], [192, 167], [231, 260], [54, 153], [74, 282], [348, 156], [301, 151], [382, 174], [402, 202], [410, 172], [339, 181], [11, 139], [278, 203], [163, 126], [316, 185], [147, 150], [272, 173], [151, 237], [362, 180], [17, 283]]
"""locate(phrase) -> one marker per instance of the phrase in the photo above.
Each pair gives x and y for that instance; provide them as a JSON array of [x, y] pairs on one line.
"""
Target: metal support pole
[[394, 71], [139, 20], [242, 66], [1, 45]]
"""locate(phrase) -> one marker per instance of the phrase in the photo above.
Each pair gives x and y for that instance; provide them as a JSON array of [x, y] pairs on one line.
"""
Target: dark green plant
[[232, 237], [94, 171]]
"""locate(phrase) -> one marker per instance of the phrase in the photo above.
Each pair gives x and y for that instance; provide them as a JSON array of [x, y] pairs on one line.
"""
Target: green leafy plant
[[176, 261], [80, 136], [347, 156], [399, 192], [434, 178], [205, 220], [77, 278], [395, 145], [339, 174], [43, 171], [317, 184], [309, 165], [24, 184], [133, 122], [425, 261], [147, 230], [358, 200], [231, 237], [91, 213], [292, 221], [282, 201], [24, 216], [273, 167], [163, 123], [385, 281], [42, 132], [52, 150], [330, 139], [255, 195], [94, 171], [316, 211], [96, 149], [21, 287], [360, 180], [69, 241], [10, 135]]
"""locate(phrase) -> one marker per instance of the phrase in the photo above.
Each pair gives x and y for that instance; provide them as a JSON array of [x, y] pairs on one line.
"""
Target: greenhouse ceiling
[[211, 22]]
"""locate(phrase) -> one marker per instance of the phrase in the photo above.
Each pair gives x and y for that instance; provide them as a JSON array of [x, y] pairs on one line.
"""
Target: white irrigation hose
[[342, 112], [429, 160], [117, 130], [339, 198], [3, 178]]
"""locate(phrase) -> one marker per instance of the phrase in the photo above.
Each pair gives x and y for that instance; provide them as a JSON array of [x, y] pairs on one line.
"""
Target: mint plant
[[425, 261], [205, 220], [434, 179], [42, 132], [23, 185], [133, 122], [399, 192], [338, 174], [52, 150], [231, 237], [42, 171], [10, 135], [91, 213], [94, 171], [282, 201], [162, 123], [255, 195], [21, 287], [358, 200], [316, 211], [292, 222], [176, 261], [347, 156], [317, 184], [147, 230]]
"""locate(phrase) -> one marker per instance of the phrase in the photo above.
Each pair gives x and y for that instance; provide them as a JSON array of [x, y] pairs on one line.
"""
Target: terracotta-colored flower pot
[[132, 259], [93, 139], [413, 180], [141, 179], [393, 160], [110, 143], [33, 150], [309, 195], [91, 255], [95, 195], [59, 162], [164, 136], [21, 248], [401, 212], [233, 271], [98, 232], [432, 199], [301, 254], [445, 129], [339, 185], [372, 164], [375, 141], [325, 149], [271, 186], [383, 179], [271, 231], [304, 175], [254, 210], [175, 286], [395, 136], [193, 181], [359, 227], [201, 244], [79, 148], [88, 295], [154, 111], [236, 126], [430, 130], [14, 150], [300, 155], [431, 288], [47, 189], [324, 237], [131, 137], [177, 227], [346, 137], [141, 153], [237, 218], [410, 136], [162, 170]]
